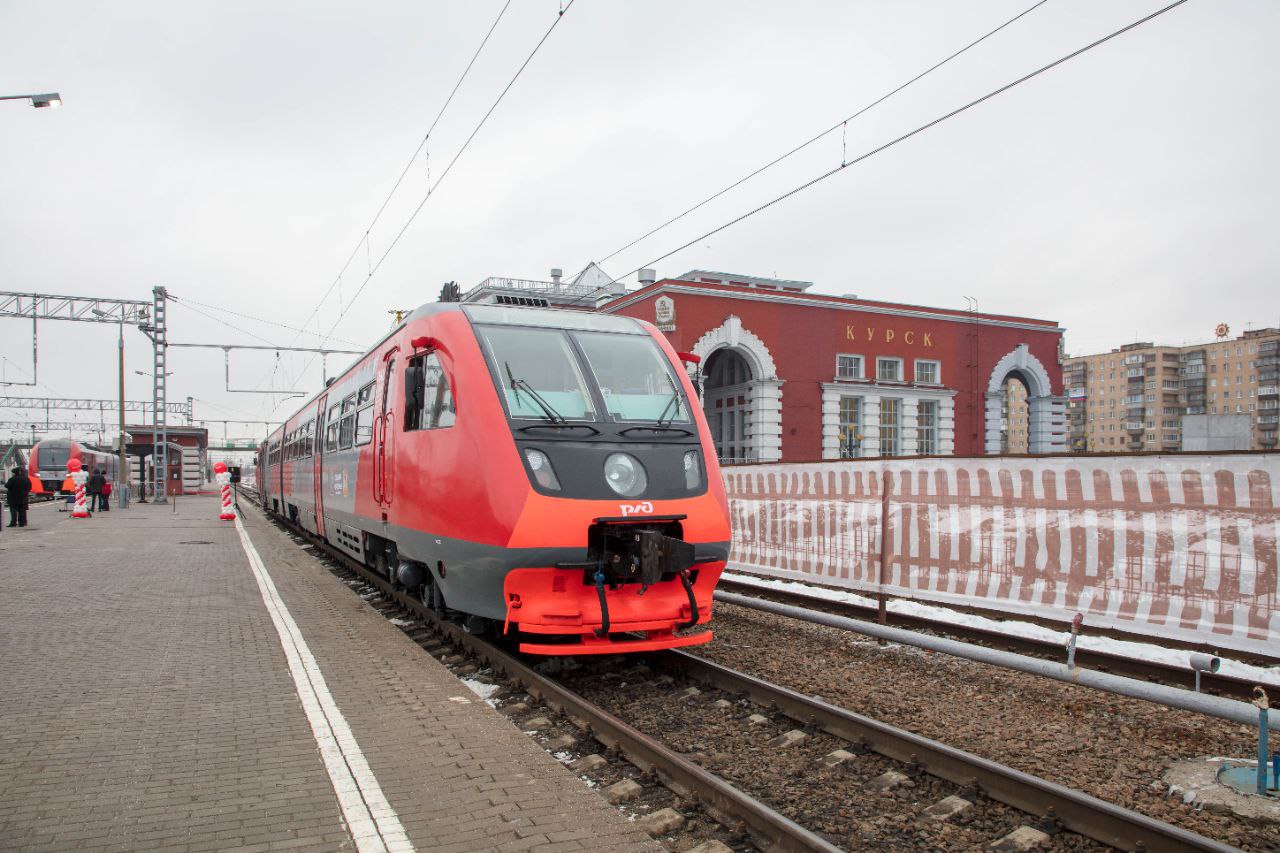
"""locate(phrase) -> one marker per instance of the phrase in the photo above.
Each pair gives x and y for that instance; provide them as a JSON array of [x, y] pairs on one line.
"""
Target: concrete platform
[[163, 688]]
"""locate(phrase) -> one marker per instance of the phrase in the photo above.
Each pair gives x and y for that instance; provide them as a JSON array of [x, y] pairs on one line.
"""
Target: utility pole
[[160, 427], [123, 500]]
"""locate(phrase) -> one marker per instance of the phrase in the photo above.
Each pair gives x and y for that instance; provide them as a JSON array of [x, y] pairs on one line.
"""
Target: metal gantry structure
[[84, 404], [149, 317]]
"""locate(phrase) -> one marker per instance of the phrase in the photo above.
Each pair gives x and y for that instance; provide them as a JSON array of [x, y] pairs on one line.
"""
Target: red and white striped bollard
[[78, 476], [223, 479]]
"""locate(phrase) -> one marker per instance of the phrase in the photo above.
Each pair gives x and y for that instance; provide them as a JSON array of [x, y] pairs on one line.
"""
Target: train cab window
[[428, 398], [634, 376], [347, 428], [331, 432], [364, 415], [539, 376]]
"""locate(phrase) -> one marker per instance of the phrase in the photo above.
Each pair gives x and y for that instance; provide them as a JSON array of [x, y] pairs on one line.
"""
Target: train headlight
[[692, 471], [625, 475], [543, 473]]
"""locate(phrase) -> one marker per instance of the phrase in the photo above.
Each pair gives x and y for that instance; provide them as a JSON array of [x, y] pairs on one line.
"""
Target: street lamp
[[123, 500], [52, 99]]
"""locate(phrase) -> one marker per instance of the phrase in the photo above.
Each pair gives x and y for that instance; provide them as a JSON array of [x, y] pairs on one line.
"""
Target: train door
[[318, 462], [384, 438]]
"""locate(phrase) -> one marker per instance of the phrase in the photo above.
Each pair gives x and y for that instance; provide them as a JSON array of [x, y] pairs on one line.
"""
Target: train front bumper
[[564, 605]]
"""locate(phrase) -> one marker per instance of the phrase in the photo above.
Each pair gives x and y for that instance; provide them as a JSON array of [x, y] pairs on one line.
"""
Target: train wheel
[[433, 597], [478, 625], [380, 566], [437, 602]]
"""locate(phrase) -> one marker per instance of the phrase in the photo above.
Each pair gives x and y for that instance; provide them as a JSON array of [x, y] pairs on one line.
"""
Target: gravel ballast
[[1109, 746]]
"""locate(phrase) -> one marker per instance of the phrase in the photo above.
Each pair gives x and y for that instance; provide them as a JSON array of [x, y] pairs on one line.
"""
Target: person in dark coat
[[94, 489], [17, 488]]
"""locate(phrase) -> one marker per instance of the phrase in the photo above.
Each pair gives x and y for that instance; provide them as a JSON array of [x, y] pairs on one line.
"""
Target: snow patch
[[480, 688]]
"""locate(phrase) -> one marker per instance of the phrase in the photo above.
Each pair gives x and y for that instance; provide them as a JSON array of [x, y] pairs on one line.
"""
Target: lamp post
[[124, 455], [52, 99], [158, 476]]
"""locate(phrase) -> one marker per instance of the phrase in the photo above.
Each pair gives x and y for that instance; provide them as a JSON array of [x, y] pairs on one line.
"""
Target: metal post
[[123, 479], [1076, 622], [159, 432], [1260, 699], [1262, 751], [882, 605]]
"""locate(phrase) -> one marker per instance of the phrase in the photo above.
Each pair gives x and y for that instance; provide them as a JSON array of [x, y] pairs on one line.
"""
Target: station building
[[788, 375]]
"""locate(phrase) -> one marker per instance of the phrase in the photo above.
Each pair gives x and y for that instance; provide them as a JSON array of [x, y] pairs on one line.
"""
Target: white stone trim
[[937, 373], [1046, 413], [871, 395], [692, 289], [862, 366], [732, 334], [1028, 366], [764, 391], [902, 368]]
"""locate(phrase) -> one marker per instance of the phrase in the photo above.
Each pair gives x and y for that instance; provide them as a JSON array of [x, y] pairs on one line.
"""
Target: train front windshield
[[565, 374], [53, 458]]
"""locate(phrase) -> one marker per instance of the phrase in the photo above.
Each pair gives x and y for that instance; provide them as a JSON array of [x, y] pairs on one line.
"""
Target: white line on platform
[[372, 822]]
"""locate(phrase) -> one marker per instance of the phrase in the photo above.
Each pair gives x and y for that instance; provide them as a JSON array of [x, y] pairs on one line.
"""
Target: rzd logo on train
[[642, 508]]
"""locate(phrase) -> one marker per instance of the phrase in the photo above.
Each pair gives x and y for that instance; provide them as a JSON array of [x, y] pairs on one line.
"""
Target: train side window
[[364, 415], [346, 431], [428, 397], [331, 431], [308, 445]]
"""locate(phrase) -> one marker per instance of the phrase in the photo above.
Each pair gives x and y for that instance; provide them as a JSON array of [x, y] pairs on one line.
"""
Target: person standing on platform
[[104, 497], [94, 488], [17, 488]]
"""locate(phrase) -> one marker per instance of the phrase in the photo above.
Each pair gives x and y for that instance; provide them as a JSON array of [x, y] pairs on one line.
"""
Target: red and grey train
[[47, 463], [545, 472]]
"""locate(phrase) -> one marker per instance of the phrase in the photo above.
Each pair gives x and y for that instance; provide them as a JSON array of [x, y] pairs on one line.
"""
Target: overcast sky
[[235, 152]]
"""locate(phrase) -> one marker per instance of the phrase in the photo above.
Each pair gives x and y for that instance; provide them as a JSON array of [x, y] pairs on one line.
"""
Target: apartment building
[[1014, 432], [1134, 398]]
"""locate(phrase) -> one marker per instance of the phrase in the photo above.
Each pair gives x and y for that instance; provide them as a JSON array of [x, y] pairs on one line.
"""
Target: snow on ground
[[480, 688], [1121, 648]]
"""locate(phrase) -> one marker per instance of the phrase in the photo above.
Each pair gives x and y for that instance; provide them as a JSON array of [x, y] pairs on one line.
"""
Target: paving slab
[[149, 703]]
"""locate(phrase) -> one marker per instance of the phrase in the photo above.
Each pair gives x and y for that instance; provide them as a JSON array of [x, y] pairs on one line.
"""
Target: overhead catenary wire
[[904, 137], [840, 125], [439, 180], [189, 301], [364, 238]]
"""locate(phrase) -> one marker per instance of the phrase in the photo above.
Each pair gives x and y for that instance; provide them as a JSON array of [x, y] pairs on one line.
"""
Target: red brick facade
[[796, 337]]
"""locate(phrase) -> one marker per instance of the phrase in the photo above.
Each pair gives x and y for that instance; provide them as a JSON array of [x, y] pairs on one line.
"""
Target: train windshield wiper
[[674, 401], [516, 384], [559, 427]]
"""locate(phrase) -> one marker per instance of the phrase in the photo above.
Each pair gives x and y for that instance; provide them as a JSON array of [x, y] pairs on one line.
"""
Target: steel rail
[[1074, 810], [1170, 697], [1210, 682], [673, 770], [1096, 819]]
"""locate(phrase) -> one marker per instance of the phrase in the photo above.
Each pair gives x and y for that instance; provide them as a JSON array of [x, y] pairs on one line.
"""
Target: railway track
[[1217, 684], [845, 779]]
